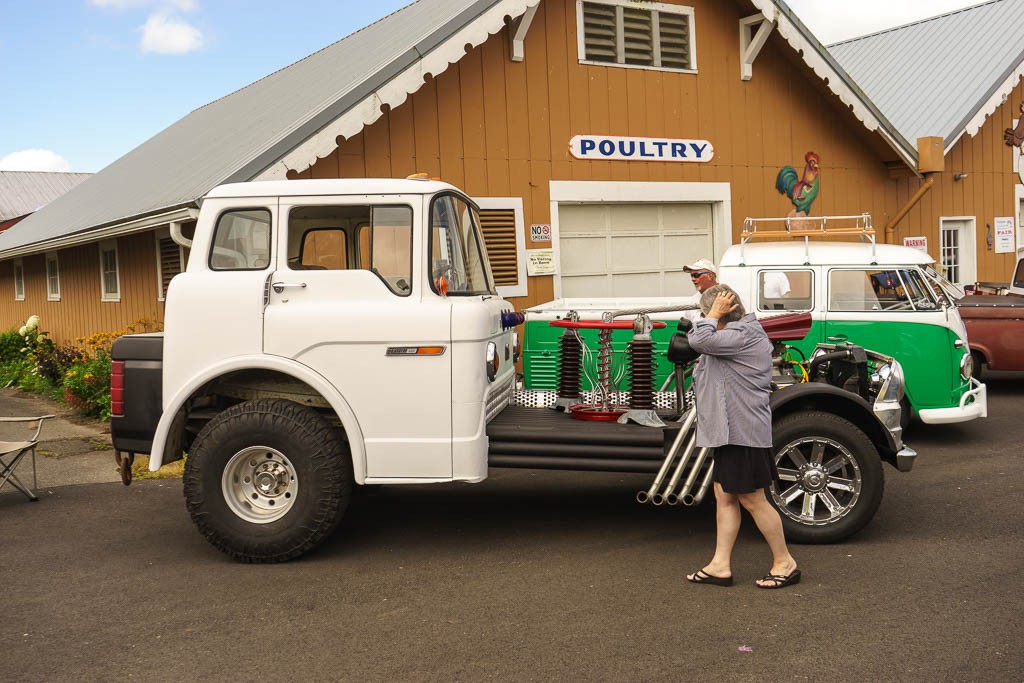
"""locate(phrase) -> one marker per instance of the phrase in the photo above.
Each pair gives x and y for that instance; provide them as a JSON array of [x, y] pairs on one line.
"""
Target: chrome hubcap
[[259, 484], [819, 481]]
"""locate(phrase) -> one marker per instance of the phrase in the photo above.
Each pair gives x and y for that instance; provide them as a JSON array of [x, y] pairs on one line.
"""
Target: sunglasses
[[699, 273]]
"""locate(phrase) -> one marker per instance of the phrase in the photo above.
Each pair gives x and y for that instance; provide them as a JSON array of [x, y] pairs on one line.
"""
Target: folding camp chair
[[13, 452]]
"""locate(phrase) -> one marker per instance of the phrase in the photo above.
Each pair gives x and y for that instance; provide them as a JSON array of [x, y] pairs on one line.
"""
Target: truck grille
[[532, 398], [499, 396]]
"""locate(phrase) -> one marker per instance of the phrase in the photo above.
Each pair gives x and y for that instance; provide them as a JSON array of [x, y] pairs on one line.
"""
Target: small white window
[[52, 277], [110, 279], [645, 35], [19, 280], [501, 219]]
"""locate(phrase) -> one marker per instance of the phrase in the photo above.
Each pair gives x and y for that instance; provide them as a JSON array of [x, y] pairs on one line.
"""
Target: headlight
[[491, 361], [967, 366], [891, 376]]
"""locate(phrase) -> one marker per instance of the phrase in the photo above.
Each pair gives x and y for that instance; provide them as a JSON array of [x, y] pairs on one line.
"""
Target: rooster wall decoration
[[801, 189]]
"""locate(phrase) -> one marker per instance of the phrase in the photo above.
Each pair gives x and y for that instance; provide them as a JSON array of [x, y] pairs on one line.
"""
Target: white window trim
[[516, 204], [719, 195], [104, 246], [157, 236], [581, 48], [969, 253], [19, 265], [51, 295]]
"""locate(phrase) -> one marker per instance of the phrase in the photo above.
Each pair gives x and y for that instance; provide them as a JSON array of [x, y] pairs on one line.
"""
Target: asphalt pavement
[[530, 575]]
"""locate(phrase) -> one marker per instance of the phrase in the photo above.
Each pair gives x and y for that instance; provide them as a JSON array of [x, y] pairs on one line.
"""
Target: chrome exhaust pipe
[[691, 478], [671, 494], [705, 484], [649, 494]]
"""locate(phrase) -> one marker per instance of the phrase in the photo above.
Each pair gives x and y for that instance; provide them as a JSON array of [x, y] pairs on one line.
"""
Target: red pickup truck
[[995, 324]]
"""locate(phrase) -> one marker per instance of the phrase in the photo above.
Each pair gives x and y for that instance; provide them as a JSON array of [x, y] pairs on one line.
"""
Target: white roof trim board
[[394, 92], [838, 81]]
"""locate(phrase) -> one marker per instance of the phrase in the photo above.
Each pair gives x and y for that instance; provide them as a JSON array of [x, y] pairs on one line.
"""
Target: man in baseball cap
[[703, 274]]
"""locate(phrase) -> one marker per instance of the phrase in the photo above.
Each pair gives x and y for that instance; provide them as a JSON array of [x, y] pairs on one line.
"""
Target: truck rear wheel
[[831, 478], [267, 480]]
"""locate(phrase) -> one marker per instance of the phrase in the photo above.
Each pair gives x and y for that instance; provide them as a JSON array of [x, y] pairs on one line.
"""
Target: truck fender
[[261, 362], [821, 396], [982, 350]]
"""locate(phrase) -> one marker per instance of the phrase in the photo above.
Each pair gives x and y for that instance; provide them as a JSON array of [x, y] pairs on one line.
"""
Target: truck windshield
[[457, 250]]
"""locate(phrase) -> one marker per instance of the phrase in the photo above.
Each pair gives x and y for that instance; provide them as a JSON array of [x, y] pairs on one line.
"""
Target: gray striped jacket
[[732, 383]]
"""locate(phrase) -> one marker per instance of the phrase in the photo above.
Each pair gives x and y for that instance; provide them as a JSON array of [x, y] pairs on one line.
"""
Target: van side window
[[361, 237], [785, 290], [241, 241], [867, 290]]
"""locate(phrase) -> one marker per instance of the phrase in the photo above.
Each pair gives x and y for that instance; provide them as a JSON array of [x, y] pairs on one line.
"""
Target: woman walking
[[732, 383]]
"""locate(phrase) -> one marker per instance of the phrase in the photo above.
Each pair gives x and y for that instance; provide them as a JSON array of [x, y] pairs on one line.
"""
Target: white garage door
[[631, 249]]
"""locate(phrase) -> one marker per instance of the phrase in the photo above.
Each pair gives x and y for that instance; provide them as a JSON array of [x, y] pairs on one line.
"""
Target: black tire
[[979, 366], [267, 480], [808, 491]]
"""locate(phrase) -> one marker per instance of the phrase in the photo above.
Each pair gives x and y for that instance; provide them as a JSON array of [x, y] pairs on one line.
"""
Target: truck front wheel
[[830, 477], [267, 480]]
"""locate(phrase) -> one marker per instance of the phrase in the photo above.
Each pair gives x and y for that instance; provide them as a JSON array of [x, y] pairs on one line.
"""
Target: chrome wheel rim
[[819, 481], [259, 484]]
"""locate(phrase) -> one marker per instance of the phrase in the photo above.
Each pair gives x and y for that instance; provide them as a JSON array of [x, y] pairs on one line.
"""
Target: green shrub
[[11, 344], [87, 385]]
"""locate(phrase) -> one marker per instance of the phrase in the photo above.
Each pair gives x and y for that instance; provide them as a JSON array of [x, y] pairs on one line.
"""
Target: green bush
[[11, 344], [87, 385]]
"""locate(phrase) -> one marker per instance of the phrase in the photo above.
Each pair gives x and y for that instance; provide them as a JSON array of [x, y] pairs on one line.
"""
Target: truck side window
[[457, 251], [241, 240], [867, 290], [785, 290], [354, 237], [1018, 276]]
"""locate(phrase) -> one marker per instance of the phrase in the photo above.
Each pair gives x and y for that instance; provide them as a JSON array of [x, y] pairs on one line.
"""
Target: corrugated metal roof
[[933, 77], [237, 136], [22, 192]]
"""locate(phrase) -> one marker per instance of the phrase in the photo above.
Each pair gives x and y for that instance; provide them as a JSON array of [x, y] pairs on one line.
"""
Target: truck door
[[345, 302]]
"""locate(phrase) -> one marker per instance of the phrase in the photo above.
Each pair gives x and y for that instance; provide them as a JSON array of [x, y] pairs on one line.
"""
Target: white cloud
[[165, 34], [835, 21], [35, 160], [183, 5]]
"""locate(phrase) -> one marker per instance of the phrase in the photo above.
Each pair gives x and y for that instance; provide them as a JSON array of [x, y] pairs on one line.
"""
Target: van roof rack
[[807, 227]]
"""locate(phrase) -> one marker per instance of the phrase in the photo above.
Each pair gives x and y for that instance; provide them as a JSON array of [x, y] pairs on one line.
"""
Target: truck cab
[[363, 313]]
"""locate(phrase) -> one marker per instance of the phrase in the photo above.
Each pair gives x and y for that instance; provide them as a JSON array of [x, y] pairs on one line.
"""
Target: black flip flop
[[781, 580], [701, 576]]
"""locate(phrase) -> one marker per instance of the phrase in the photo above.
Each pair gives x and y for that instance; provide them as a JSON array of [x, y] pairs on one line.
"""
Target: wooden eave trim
[[395, 91], [838, 81], [750, 48]]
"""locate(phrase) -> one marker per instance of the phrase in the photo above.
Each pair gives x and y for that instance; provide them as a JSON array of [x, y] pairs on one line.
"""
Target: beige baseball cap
[[701, 264]]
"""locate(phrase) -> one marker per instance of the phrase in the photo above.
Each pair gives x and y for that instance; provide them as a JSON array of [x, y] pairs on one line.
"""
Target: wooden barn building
[[628, 138]]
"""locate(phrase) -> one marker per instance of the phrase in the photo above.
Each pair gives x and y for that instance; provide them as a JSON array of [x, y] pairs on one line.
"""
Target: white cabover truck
[[334, 333]]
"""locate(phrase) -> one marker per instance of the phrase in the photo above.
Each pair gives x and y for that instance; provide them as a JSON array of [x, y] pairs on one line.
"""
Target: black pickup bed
[[541, 438]]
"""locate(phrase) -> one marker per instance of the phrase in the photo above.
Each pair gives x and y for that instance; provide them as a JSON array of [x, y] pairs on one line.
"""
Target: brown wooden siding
[[500, 128], [80, 312]]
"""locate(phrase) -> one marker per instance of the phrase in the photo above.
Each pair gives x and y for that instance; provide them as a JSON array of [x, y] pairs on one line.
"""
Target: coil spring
[[641, 368], [570, 353], [604, 367]]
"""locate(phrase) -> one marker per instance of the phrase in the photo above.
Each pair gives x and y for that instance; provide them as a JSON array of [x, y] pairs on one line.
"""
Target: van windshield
[[944, 289]]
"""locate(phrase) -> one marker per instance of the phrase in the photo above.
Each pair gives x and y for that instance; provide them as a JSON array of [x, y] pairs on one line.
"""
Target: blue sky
[[86, 81]]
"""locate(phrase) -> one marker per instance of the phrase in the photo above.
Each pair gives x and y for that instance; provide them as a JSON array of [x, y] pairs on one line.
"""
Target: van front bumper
[[973, 404]]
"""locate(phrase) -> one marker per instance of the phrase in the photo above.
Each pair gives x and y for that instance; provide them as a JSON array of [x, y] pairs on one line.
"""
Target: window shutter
[[170, 262], [637, 37], [599, 32], [674, 34], [499, 226]]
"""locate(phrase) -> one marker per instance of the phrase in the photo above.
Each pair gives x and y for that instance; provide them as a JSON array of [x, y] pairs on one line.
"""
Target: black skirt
[[744, 469]]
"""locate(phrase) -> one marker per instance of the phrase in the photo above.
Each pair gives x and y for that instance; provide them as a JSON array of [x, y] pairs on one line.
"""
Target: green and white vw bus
[[883, 297]]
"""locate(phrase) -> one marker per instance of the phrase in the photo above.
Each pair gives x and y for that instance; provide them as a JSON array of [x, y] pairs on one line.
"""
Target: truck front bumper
[[905, 459], [973, 404]]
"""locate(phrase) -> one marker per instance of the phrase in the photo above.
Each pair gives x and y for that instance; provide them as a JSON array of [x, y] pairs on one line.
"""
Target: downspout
[[911, 203]]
